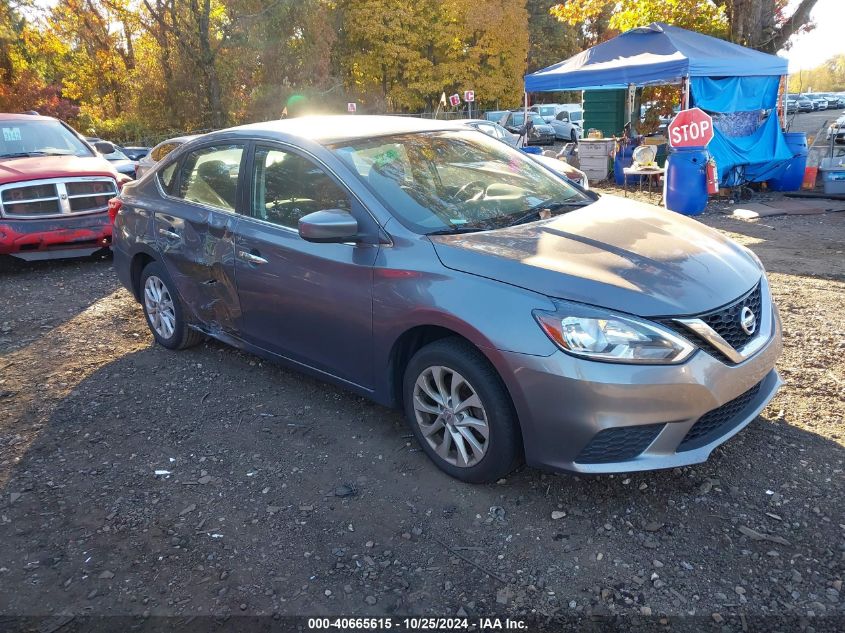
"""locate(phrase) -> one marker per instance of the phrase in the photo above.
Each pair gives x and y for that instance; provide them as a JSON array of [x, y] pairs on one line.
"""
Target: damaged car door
[[195, 236]]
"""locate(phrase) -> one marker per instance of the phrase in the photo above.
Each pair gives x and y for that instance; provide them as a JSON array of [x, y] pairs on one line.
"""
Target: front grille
[[618, 444], [718, 421], [56, 197], [725, 322]]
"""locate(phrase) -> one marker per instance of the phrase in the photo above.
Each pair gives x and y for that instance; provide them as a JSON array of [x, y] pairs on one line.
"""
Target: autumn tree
[[765, 25]]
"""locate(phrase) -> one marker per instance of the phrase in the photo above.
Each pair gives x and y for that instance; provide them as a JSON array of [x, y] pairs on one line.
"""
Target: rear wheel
[[460, 412], [163, 309]]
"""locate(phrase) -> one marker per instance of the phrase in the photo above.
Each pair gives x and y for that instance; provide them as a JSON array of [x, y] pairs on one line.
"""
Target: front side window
[[287, 186], [39, 137], [563, 115], [442, 181], [209, 176]]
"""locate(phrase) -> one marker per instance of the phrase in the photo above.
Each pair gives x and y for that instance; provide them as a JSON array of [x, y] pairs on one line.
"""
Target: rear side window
[[209, 176], [167, 178], [162, 150]]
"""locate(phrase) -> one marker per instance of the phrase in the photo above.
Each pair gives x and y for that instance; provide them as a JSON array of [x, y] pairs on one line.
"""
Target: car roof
[[345, 127], [10, 116], [178, 139]]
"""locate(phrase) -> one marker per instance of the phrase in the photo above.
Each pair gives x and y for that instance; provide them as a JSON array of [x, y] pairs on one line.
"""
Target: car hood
[[615, 253], [38, 167]]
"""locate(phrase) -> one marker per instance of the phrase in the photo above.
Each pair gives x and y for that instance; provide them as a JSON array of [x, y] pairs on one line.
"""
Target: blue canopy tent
[[737, 85]]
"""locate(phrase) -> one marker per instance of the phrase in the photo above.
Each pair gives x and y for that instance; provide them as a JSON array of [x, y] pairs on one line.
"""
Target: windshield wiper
[[548, 205], [456, 230], [35, 153]]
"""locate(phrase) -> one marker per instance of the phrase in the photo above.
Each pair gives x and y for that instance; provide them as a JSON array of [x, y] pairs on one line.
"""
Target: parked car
[[540, 133], [566, 129], [819, 102], [834, 101], [136, 153], [491, 128], [495, 115], [120, 161], [836, 130], [160, 151], [431, 267], [54, 190], [805, 104], [560, 167]]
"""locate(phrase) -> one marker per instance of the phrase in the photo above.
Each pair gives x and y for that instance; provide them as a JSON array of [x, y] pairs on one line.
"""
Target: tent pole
[[783, 103], [686, 93], [525, 109]]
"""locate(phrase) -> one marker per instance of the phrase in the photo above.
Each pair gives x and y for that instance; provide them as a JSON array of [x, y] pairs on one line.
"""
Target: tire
[[573, 136], [501, 452], [171, 332]]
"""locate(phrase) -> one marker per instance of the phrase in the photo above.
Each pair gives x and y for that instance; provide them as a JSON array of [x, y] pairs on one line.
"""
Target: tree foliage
[[765, 25], [826, 77]]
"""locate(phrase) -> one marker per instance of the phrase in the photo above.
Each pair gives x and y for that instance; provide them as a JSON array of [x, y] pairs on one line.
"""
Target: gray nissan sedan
[[512, 315]]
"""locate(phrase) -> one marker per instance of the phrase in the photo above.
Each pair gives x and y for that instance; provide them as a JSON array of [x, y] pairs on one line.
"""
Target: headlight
[[598, 335]]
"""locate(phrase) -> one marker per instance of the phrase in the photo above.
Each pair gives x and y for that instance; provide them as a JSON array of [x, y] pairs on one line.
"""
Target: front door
[[311, 303], [195, 229]]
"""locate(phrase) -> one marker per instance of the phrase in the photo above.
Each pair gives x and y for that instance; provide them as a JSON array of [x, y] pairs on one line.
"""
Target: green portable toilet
[[604, 110]]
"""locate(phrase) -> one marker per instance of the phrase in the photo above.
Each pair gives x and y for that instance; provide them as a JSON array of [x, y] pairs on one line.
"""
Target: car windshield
[[39, 137], [116, 155], [518, 118], [455, 180], [547, 110]]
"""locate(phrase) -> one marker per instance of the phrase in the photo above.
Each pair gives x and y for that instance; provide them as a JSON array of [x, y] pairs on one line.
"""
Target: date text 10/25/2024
[[417, 624]]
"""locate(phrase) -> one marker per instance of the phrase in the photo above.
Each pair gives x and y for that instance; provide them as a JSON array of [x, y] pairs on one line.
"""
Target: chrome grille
[[725, 322], [56, 197]]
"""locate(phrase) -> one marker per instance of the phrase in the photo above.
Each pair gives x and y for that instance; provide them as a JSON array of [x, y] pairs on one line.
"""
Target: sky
[[823, 42]]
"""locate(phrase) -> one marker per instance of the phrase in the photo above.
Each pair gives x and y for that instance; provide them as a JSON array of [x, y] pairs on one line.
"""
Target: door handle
[[252, 259], [169, 233]]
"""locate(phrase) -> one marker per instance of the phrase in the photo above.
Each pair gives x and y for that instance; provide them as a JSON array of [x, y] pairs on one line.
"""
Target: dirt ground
[[289, 496]]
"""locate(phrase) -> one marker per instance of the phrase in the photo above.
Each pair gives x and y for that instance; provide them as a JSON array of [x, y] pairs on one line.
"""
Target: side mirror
[[104, 147], [329, 226]]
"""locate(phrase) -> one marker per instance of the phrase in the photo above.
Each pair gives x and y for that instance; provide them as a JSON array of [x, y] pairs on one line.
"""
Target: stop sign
[[690, 128]]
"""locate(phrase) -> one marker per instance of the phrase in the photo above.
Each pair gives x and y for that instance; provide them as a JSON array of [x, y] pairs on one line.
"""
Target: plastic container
[[792, 175], [833, 175], [532, 149], [685, 184], [623, 158]]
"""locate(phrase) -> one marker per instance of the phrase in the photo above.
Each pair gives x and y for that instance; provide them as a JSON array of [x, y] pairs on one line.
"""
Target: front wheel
[[163, 310], [460, 412], [573, 136]]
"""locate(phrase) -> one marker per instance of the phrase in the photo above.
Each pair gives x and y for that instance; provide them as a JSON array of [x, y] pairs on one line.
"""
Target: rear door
[[195, 231], [309, 302]]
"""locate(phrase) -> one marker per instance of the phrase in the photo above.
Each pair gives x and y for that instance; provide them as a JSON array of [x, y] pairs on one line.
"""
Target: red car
[[54, 190]]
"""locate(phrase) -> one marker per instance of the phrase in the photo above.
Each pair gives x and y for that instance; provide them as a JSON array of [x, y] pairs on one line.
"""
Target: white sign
[[351, 107], [469, 96], [455, 100]]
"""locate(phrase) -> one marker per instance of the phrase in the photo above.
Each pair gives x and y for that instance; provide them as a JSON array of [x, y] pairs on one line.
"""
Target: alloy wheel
[[451, 416], [160, 308]]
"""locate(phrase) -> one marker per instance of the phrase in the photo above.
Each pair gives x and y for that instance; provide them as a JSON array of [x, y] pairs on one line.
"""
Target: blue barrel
[[792, 176], [624, 158], [531, 149], [685, 184]]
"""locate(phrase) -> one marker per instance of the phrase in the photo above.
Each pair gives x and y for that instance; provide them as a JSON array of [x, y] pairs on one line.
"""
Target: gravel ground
[[289, 496]]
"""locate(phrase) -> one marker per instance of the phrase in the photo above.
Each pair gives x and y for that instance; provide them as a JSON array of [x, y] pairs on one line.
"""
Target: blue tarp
[[653, 54], [745, 148], [734, 94]]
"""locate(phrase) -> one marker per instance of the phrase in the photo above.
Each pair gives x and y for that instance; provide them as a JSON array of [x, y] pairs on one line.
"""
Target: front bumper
[[592, 417], [73, 236]]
